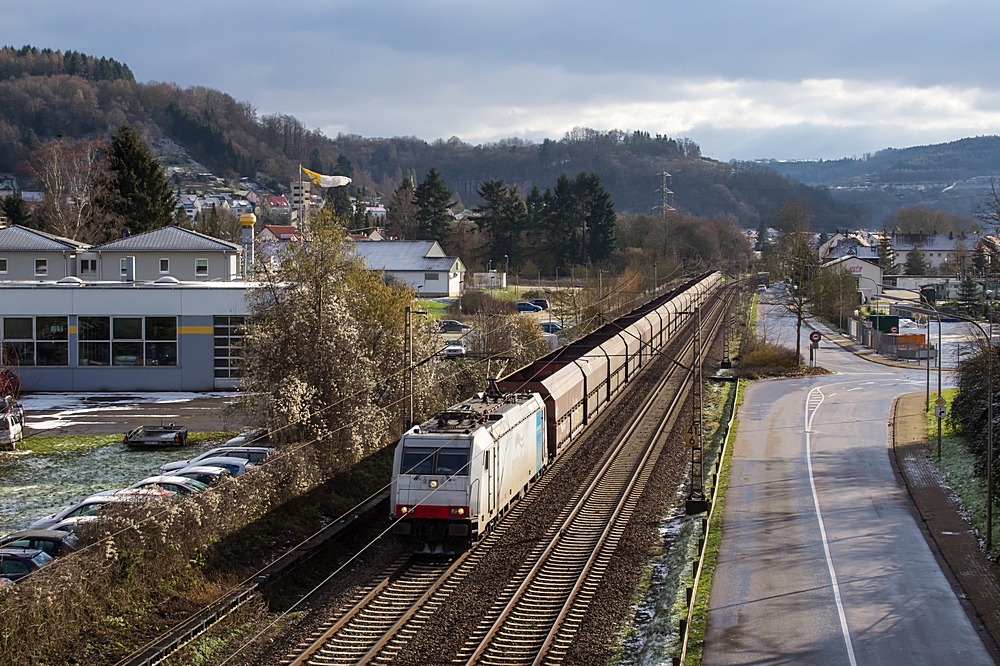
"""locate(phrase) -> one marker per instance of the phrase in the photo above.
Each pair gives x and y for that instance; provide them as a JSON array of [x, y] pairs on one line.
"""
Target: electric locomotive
[[457, 473]]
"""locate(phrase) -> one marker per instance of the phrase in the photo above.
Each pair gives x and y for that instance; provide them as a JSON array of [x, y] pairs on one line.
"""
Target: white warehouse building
[[166, 335]]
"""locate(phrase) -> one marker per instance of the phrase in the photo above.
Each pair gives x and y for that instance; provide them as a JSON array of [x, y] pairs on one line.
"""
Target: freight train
[[455, 475]]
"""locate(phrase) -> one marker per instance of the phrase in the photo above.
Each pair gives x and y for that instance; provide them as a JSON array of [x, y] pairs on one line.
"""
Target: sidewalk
[[978, 577]]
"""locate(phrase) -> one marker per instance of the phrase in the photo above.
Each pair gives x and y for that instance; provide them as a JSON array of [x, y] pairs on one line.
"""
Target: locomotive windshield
[[452, 462]]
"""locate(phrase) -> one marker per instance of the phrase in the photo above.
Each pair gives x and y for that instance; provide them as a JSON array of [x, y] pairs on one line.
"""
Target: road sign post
[[940, 411]]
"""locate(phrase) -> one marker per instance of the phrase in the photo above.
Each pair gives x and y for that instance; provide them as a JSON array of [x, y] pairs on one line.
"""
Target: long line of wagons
[[456, 474]]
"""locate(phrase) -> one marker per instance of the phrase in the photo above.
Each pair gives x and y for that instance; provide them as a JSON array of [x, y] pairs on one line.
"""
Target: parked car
[[11, 423], [551, 326], [235, 466], [524, 306], [540, 302], [16, 563], [257, 437], [179, 484], [253, 454], [454, 349], [51, 542], [207, 475], [453, 326], [93, 505], [72, 525]]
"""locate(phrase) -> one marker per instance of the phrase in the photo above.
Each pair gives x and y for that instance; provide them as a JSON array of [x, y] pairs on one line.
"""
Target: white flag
[[325, 181]]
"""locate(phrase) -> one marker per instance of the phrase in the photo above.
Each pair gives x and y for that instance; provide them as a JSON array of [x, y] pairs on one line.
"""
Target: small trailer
[[156, 437], [11, 423]]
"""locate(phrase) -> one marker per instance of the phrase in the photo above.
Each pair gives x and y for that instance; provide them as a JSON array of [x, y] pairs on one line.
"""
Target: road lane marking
[[813, 401]]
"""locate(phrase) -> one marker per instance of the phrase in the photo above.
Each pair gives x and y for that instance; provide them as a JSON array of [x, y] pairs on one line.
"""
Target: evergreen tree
[[360, 217], [761, 235], [15, 210], [433, 200], [315, 163], [502, 216], [400, 216], [140, 192], [562, 238], [968, 292], [915, 263], [342, 208], [598, 218], [886, 255], [344, 166], [535, 218]]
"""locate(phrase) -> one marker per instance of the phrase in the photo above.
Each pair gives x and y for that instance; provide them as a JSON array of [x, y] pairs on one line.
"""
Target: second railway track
[[540, 611]]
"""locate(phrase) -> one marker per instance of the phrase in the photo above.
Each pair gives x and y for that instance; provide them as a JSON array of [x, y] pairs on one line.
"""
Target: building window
[[51, 341], [161, 341], [128, 341], [18, 341], [123, 268], [3, 266], [228, 331], [429, 277], [201, 267], [41, 267], [88, 267], [164, 266]]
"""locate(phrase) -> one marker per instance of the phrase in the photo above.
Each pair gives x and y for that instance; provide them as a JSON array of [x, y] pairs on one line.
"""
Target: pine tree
[[315, 163], [359, 220], [968, 292], [15, 210], [598, 218], [761, 235], [915, 263], [400, 216], [141, 193], [886, 255], [344, 166], [433, 200], [502, 217]]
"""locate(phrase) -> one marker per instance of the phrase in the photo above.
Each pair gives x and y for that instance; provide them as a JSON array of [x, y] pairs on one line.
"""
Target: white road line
[[813, 401]]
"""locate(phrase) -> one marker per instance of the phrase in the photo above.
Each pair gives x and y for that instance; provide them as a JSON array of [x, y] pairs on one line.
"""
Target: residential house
[[181, 254], [936, 248], [421, 264], [279, 204], [842, 245], [867, 274], [29, 254]]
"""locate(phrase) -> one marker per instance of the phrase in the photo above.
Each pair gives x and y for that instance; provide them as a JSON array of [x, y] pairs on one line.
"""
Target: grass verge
[[696, 633], [433, 309], [958, 465], [79, 442]]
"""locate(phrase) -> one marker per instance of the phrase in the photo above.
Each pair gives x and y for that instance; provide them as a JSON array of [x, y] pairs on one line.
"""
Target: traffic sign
[[940, 400], [940, 411], [815, 336]]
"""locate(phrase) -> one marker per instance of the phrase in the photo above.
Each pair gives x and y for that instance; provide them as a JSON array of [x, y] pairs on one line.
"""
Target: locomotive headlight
[[433, 483], [403, 509], [461, 510]]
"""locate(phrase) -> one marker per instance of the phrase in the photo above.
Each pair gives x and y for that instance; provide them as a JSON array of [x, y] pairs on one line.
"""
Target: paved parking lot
[[108, 413]]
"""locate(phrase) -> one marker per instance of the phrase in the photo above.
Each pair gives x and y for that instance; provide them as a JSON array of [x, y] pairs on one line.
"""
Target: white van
[[11, 424]]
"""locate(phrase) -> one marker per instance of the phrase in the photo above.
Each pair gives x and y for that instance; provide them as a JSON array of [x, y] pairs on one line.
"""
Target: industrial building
[[165, 335]]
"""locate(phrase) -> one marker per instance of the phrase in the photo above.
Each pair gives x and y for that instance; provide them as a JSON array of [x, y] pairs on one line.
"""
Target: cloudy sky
[[773, 78]]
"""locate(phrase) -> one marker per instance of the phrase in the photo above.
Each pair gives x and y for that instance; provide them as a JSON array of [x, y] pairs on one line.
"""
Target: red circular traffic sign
[[814, 336]]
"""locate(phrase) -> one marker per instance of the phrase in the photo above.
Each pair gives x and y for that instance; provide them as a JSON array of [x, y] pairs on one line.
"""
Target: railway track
[[535, 619]]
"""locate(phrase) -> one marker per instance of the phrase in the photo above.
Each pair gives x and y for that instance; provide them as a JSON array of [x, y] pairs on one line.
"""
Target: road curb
[[951, 537]]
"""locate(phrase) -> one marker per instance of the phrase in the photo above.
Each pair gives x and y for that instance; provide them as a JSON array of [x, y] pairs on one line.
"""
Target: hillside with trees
[[45, 94]]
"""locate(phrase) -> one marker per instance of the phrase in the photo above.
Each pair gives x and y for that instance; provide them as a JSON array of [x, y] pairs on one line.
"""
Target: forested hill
[[943, 162], [46, 93]]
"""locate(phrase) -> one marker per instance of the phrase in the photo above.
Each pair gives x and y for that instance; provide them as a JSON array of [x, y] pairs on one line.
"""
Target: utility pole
[[408, 367], [696, 501], [666, 194]]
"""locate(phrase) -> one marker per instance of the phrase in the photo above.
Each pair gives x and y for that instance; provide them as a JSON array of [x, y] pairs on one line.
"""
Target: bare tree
[[74, 175], [794, 257]]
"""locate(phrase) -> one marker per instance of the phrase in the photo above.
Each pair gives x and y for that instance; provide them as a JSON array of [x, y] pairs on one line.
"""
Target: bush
[[475, 302], [763, 359]]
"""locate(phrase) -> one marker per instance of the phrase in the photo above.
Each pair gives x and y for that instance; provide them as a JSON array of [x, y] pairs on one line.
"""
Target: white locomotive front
[[454, 475]]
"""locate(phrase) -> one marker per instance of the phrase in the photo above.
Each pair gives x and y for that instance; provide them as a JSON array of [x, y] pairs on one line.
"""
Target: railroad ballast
[[456, 474]]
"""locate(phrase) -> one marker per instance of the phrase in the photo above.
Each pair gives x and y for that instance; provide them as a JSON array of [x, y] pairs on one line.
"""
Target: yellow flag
[[325, 181]]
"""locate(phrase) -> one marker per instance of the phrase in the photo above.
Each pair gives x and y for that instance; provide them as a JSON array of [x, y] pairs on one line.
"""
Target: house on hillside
[[951, 249], [842, 245], [421, 264]]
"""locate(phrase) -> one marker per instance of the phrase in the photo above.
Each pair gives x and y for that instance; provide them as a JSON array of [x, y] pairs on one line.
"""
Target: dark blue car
[[524, 306]]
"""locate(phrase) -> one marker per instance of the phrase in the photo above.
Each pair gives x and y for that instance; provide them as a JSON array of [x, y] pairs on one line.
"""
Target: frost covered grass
[[958, 466], [57, 443], [660, 600]]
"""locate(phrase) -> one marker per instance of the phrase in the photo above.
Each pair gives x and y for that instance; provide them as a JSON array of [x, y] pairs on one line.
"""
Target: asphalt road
[[822, 560]]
